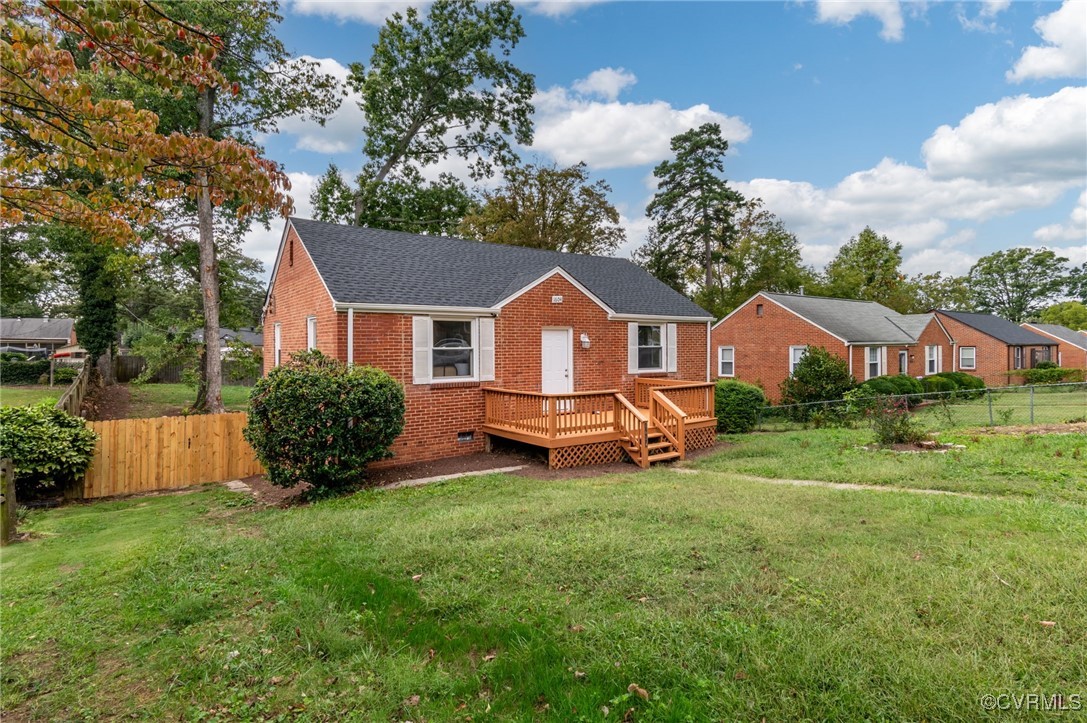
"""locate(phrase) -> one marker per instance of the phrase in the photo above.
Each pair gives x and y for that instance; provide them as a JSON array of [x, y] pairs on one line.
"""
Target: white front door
[[556, 362]]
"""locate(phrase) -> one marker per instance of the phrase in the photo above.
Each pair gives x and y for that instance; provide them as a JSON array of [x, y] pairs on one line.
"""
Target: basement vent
[[465, 436]]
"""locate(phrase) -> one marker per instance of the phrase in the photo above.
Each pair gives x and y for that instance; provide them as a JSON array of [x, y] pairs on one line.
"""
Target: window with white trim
[[278, 333], [453, 350], [968, 357], [1018, 357], [796, 353], [903, 362], [311, 333], [650, 348], [726, 361], [874, 361], [932, 359]]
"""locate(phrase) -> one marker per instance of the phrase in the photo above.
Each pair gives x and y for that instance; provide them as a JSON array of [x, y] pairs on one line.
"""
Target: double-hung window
[[932, 359], [278, 334], [726, 361], [968, 357], [875, 358], [650, 348], [1018, 357], [796, 353], [453, 350], [311, 333]]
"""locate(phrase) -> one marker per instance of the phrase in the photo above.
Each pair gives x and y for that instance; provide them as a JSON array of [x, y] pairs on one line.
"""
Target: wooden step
[[663, 457], [659, 445]]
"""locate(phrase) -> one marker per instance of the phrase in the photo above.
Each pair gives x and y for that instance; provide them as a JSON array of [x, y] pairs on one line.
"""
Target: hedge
[[935, 383], [892, 385], [1050, 375], [737, 406], [49, 447], [23, 372]]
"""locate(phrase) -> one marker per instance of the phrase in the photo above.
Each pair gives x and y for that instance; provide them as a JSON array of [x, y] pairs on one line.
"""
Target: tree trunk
[[106, 370], [212, 402], [709, 266]]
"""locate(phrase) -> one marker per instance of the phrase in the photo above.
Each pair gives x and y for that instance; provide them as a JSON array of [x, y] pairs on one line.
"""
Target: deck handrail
[[666, 416], [546, 395], [644, 385]]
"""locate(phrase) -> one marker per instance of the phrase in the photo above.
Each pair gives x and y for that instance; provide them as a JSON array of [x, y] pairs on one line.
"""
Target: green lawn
[[1049, 467], [1054, 405], [155, 400], [20, 396], [506, 598]]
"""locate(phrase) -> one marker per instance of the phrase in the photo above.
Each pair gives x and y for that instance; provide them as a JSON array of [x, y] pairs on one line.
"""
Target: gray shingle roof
[[36, 329], [370, 266], [1075, 338], [1000, 329], [854, 321], [913, 324]]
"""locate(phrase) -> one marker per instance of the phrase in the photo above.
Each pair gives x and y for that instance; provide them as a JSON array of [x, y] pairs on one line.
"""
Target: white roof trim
[[275, 269], [800, 316], [734, 311], [653, 318], [547, 275], [417, 309], [1046, 334]]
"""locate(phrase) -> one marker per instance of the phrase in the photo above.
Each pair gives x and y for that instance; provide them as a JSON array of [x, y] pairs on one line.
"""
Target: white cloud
[[371, 12], [556, 8], [985, 20], [1021, 137], [1064, 53], [928, 261], [342, 132], [263, 243], [606, 83], [839, 12], [1074, 230], [612, 134]]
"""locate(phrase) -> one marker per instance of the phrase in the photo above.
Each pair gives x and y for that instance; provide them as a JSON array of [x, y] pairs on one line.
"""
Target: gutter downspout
[[849, 353], [708, 355], [350, 336]]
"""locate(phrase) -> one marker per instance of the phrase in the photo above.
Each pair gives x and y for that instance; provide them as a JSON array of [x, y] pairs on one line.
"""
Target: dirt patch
[[920, 448], [479, 462], [270, 495], [109, 402]]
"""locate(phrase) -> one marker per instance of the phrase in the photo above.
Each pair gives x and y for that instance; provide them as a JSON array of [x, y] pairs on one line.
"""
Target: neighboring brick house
[[1072, 349], [449, 317], [761, 341], [990, 347], [41, 335]]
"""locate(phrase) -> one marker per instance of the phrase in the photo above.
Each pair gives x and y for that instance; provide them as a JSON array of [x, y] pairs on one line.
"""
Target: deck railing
[[669, 419], [694, 398], [634, 426], [550, 415]]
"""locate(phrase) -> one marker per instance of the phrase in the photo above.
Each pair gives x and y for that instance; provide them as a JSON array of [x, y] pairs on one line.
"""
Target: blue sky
[[955, 128]]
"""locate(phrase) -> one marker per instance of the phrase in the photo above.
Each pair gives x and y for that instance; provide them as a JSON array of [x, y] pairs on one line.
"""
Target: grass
[[20, 396], [1055, 405], [1049, 467], [504, 598], [156, 400]]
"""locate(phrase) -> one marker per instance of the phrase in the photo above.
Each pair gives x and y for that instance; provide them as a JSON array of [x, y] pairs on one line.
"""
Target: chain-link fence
[[997, 406]]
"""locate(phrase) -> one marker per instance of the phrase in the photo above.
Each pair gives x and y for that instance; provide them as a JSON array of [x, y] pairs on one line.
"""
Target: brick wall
[[437, 413], [762, 343], [1070, 357], [297, 294], [994, 357]]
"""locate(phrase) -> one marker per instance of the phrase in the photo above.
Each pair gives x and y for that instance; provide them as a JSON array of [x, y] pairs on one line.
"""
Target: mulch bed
[[110, 402]]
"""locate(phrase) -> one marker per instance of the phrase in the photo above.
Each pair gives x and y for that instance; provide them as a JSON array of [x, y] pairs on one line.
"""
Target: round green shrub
[[819, 376], [737, 406], [891, 385], [968, 386], [65, 375], [1046, 364], [317, 420], [934, 383], [49, 447]]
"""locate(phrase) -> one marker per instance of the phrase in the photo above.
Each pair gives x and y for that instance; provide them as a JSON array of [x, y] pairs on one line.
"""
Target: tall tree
[[267, 84], [442, 85], [869, 267], [1076, 286], [1017, 283], [765, 256], [663, 259], [936, 291], [547, 207], [1072, 314], [693, 204]]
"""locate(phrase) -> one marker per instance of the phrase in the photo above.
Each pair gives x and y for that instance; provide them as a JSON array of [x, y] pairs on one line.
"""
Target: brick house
[[588, 357], [991, 347], [762, 340], [1072, 345]]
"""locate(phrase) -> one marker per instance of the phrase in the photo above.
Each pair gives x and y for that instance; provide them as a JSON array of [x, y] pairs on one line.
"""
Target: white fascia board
[[279, 259], [547, 275], [727, 316], [655, 319], [467, 311]]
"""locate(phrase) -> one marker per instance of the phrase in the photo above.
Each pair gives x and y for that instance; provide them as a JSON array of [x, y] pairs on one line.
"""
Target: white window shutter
[[632, 348], [486, 349], [420, 333], [939, 358], [883, 360], [672, 342]]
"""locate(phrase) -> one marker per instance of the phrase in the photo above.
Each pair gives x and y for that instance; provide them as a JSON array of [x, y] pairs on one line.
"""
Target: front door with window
[[558, 376]]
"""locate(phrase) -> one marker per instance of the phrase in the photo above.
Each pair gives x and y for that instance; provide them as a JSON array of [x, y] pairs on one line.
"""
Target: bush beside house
[[737, 406], [50, 448], [317, 420], [819, 376]]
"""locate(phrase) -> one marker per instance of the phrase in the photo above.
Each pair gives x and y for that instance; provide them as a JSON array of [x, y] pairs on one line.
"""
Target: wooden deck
[[604, 426]]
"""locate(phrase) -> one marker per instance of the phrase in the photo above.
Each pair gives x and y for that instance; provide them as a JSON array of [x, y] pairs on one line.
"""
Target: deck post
[[552, 418]]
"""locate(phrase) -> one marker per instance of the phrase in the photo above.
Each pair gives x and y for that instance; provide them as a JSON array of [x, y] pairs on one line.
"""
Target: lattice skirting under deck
[[701, 438], [582, 455]]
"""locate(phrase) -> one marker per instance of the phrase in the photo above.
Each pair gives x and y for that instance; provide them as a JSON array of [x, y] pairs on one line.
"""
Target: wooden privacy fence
[[142, 455]]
